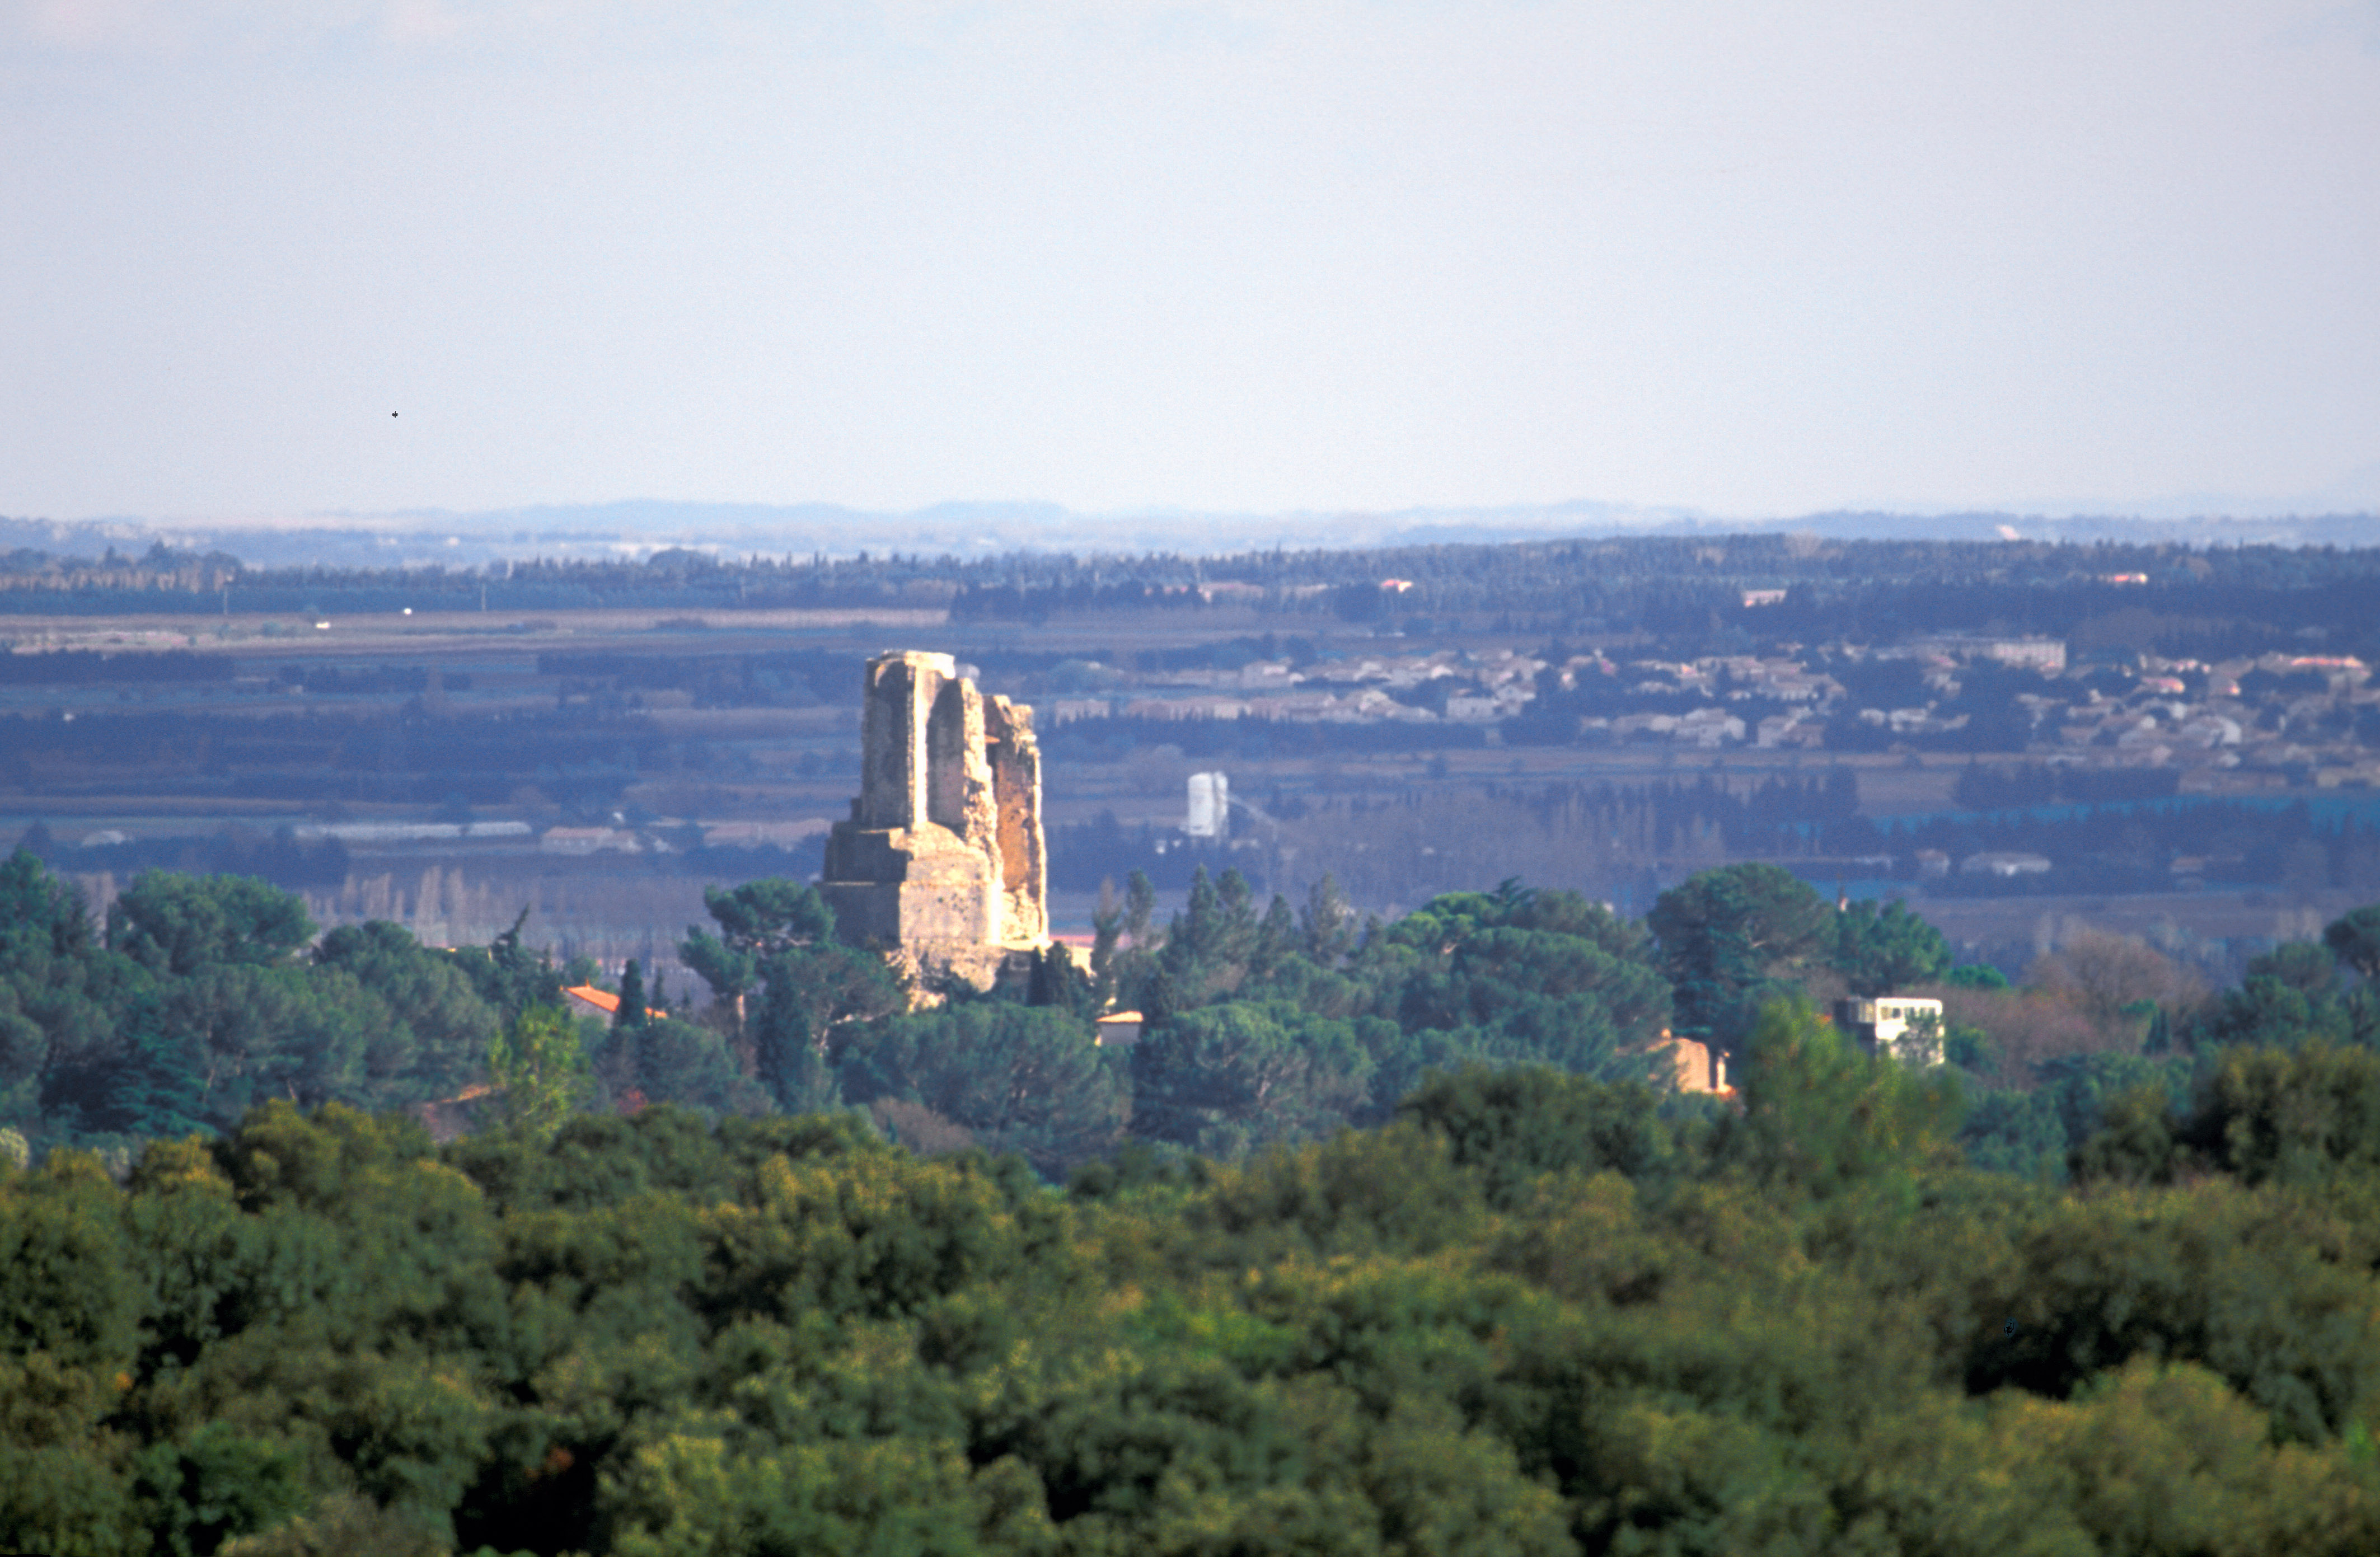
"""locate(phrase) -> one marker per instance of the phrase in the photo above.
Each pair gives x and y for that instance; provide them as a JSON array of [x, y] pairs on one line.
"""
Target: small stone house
[[1691, 1066]]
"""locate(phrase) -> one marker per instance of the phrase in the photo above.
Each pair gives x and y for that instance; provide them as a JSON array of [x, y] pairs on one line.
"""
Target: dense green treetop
[[443, 1027], [508, 976], [1018, 1078], [179, 925], [1882, 951], [1733, 940]]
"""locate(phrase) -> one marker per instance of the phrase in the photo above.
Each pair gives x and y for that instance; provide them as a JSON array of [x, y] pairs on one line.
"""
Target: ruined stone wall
[[944, 858], [1016, 763]]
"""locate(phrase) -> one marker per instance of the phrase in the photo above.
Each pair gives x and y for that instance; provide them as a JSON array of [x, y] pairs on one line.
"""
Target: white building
[[2045, 654], [1902, 1025], [1211, 806], [2004, 864]]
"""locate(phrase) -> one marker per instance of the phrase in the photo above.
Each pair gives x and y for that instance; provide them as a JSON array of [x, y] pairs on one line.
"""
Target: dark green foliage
[[2022, 1134], [2355, 938], [1511, 977], [200, 1006], [1733, 940], [2217, 1277], [1021, 1078], [508, 976], [1972, 1049], [1325, 927], [1059, 981], [281, 1157], [1529, 1317], [1512, 1126], [1884, 950], [598, 1160], [1135, 1168], [58, 992], [2083, 1085], [690, 1066], [769, 915], [2298, 1117], [1821, 1117], [294, 1033], [217, 1485], [1549, 991], [441, 1026], [2159, 1040], [1399, 1189], [812, 994], [183, 925], [154, 1085], [631, 1012], [2288, 996], [2134, 1143], [2054, 1128], [2306, 967], [1119, 970], [777, 937], [1230, 1078], [1208, 952], [67, 1288]]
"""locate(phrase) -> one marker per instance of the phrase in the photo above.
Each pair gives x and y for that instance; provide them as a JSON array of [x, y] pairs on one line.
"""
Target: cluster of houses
[[2306, 714], [2182, 711], [1488, 686]]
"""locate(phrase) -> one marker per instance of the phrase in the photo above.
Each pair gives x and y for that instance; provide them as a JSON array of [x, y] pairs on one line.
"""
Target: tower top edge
[[922, 659]]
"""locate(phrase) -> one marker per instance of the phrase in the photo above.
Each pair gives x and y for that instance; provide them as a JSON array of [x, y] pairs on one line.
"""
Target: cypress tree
[[632, 997]]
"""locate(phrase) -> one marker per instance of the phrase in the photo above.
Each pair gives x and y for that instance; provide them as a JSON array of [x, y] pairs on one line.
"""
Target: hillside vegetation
[[1380, 1241]]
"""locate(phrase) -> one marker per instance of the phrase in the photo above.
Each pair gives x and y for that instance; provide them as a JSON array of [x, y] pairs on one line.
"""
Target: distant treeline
[[577, 756], [279, 857], [83, 667], [1985, 787], [2120, 597], [1086, 855], [791, 678], [2137, 847], [2116, 831], [1777, 817]]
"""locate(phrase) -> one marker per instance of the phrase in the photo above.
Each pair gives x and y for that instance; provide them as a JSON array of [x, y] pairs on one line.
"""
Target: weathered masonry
[[943, 858]]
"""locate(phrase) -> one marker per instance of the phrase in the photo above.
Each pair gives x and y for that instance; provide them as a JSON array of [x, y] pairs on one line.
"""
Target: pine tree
[[1328, 923]]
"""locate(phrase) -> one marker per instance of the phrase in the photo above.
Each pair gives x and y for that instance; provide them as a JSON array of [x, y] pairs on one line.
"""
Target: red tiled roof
[[603, 1000]]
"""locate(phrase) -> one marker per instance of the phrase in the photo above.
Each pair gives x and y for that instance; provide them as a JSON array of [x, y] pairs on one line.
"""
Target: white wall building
[[1902, 1025]]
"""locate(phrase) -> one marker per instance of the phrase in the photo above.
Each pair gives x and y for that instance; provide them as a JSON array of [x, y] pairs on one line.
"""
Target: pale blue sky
[[1758, 259]]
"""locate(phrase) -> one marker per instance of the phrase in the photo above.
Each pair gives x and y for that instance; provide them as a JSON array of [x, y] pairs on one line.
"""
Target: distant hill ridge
[[635, 528]]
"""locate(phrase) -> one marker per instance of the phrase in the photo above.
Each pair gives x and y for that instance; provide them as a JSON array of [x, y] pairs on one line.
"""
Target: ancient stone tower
[[943, 858]]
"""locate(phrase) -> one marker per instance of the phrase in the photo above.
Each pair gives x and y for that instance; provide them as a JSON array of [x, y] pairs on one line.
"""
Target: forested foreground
[[1533, 1314], [1381, 1239]]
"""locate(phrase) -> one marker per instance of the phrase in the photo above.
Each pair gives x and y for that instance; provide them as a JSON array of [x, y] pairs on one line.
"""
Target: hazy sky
[[1756, 257]]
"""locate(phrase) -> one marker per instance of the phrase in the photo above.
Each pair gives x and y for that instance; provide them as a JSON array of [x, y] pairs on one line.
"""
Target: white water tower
[[1211, 806]]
